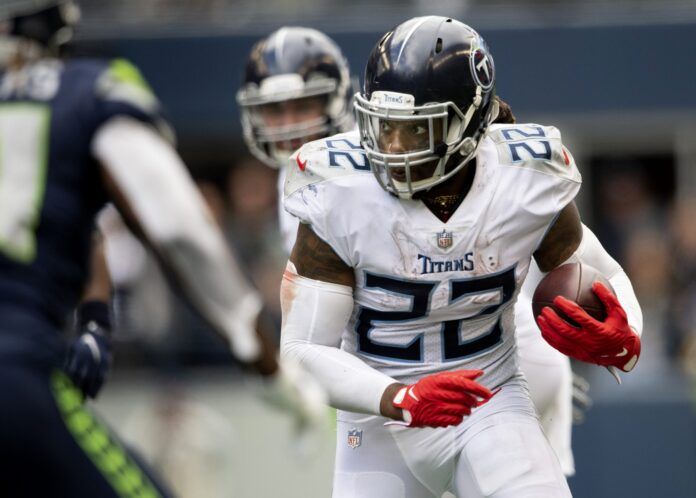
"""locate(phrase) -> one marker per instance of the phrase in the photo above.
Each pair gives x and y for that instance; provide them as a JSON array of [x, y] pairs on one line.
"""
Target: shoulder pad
[[121, 81], [325, 159], [535, 147]]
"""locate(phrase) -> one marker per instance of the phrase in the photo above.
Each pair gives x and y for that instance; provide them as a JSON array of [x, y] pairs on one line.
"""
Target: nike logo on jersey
[[566, 159], [301, 164], [429, 265]]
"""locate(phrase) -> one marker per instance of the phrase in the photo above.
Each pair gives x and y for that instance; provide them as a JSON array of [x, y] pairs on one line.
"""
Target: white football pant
[[500, 451]]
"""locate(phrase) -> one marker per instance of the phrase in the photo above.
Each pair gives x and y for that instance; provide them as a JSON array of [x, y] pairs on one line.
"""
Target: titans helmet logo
[[482, 67]]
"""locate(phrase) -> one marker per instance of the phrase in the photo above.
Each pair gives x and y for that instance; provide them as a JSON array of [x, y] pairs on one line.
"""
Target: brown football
[[572, 281]]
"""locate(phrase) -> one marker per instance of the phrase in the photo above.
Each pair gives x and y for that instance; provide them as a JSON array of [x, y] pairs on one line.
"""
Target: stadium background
[[617, 78]]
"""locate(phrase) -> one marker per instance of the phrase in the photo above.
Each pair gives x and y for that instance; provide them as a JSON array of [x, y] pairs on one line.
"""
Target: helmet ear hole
[[438, 46]]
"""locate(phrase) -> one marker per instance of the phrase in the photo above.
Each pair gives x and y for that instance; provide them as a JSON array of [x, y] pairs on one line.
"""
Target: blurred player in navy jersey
[[73, 135]]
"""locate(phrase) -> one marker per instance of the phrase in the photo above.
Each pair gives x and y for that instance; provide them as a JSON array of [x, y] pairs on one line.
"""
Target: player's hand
[[89, 359], [442, 399], [611, 343], [294, 391]]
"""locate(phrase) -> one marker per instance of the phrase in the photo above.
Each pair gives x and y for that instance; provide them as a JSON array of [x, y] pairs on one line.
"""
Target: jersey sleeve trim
[[123, 82], [122, 90]]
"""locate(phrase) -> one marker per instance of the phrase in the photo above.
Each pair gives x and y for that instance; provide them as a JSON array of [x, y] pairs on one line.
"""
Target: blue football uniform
[[50, 192], [50, 188]]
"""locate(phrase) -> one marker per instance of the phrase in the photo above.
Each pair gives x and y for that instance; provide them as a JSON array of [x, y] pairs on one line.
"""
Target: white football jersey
[[433, 296]]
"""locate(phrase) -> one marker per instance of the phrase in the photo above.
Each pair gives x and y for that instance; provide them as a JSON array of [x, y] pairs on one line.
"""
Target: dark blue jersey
[[50, 186]]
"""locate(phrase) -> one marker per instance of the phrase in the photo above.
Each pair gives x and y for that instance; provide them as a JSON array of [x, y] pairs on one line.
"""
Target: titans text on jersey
[[430, 265]]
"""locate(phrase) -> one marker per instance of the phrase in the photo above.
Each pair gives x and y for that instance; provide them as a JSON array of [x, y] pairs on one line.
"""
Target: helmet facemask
[[439, 145], [274, 144]]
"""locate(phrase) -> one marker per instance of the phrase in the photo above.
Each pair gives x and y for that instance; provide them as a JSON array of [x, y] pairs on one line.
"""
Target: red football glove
[[442, 399], [608, 343]]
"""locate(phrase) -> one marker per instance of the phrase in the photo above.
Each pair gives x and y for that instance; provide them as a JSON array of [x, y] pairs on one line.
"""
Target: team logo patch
[[444, 239], [482, 68], [354, 438]]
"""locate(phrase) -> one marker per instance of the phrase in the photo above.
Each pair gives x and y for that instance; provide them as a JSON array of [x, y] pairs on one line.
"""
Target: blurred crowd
[[653, 236]]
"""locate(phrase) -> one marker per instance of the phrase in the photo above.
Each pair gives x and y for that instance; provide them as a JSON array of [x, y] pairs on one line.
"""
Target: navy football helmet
[[436, 76], [293, 63], [32, 28]]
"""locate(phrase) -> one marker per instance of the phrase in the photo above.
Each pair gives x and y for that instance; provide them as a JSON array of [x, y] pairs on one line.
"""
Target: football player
[[74, 134], [295, 89], [416, 234]]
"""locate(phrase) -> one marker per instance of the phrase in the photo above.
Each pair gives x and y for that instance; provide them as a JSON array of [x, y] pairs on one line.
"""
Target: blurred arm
[[88, 359], [99, 285], [151, 188]]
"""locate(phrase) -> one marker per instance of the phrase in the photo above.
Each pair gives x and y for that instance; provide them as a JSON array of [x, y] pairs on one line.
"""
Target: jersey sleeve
[[562, 168], [121, 90], [538, 177], [313, 192], [549, 174]]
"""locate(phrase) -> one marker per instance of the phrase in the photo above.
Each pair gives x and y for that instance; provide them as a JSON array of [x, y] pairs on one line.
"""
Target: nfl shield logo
[[354, 438], [444, 239]]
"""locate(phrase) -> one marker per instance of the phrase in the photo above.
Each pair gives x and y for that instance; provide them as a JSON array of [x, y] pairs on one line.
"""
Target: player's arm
[[89, 356], [317, 301], [99, 286], [614, 342], [150, 186]]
